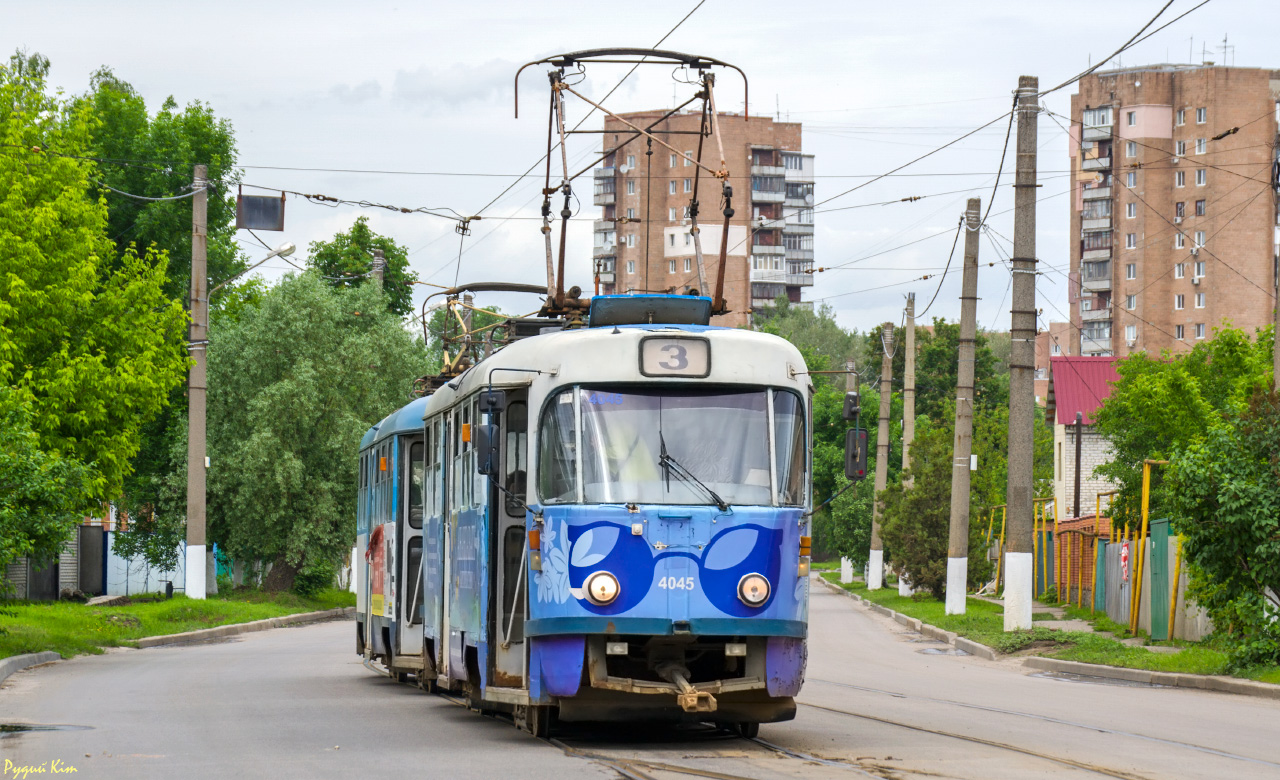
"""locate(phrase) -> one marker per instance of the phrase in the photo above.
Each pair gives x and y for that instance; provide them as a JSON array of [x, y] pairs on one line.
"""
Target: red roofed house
[[1078, 385]]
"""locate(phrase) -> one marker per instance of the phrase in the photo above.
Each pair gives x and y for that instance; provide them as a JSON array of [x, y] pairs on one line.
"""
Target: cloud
[[361, 93], [456, 84]]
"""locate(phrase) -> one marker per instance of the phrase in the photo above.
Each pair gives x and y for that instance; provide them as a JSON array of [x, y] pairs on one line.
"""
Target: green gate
[[1159, 568]]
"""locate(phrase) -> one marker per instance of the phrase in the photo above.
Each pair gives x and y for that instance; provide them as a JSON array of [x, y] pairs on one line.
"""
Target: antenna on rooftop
[[1227, 50]]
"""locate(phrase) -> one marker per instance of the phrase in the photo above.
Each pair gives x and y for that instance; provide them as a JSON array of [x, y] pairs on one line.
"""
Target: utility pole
[[379, 267], [909, 388], [1018, 590], [1079, 440], [197, 342], [962, 450], [850, 386], [875, 570]]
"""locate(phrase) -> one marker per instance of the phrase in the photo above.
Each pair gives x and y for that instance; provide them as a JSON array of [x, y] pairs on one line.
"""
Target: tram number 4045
[[676, 583]]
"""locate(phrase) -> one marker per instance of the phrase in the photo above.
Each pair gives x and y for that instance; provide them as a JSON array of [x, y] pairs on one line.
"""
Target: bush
[[313, 578]]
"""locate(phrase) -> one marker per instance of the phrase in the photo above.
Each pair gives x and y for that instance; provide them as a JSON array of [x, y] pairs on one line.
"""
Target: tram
[[605, 522]]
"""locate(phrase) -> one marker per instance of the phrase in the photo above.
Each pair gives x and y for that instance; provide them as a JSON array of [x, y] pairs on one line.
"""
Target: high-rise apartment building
[[1174, 209], [643, 243]]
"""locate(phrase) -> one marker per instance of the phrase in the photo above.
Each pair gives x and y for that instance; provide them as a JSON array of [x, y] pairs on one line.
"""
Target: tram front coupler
[[689, 698]]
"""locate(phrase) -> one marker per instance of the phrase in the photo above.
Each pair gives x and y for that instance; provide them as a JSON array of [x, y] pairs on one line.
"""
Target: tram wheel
[[748, 729], [535, 719]]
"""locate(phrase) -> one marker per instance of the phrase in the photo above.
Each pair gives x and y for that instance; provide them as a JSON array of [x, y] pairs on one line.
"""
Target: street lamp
[[284, 250]]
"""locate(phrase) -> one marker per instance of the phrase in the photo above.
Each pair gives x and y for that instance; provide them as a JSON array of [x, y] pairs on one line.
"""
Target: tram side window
[[790, 448], [435, 472], [516, 458], [479, 482], [557, 456], [417, 468]]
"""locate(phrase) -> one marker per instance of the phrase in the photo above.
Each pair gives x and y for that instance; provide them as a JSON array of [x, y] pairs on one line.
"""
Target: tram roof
[[406, 419]]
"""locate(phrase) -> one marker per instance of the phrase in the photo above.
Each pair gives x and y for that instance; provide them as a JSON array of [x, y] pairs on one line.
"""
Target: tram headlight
[[601, 588], [753, 590]]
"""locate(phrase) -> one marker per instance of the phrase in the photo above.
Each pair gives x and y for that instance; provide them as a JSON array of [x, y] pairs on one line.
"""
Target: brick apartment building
[[1175, 205], [642, 240], [1050, 344]]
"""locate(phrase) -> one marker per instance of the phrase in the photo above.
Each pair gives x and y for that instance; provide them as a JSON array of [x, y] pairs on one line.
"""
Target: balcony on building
[[763, 272], [803, 306], [799, 167], [604, 225], [768, 189], [1095, 164], [1094, 193], [1095, 276], [800, 272], [1097, 315], [1096, 246], [605, 268], [765, 161], [1101, 133], [1095, 345], [605, 188], [1098, 223], [766, 249]]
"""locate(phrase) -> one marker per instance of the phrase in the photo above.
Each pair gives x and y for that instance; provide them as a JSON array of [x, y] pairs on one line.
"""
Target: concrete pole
[[875, 571], [958, 541], [379, 267], [909, 386], [850, 386], [1018, 591], [1079, 440], [196, 560]]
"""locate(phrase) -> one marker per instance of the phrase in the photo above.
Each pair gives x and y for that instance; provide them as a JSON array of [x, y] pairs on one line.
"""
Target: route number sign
[[1124, 562], [682, 357]]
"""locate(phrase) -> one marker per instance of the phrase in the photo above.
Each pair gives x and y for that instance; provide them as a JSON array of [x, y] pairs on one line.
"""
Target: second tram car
[[598, 523]]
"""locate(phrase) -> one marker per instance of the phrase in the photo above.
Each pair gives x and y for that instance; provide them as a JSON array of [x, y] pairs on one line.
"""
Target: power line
[[1115, 53], [959, 227]]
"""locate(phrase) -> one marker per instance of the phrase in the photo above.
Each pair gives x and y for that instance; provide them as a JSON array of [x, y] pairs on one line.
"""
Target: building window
[[1200, 145], [1199, 300], [688, 157], [1131, 118], [673, 160], [1179, 209], [1131, 271], [1179, 241], [672, 242], [688, 264], [1130, 333], [1177, 332], [1202, 177], [1182, 116], [1200, 330], [1131, 179], [671, 215], [631, 213], [671, 265], [1131, 302], [631, 161], [1179, 302], [671, 187], [1179, 178], [1130, 240], [1097, 117], [1179, 270], [1131, 210], [1199, 238], [1202, 115], [1057, 349], [688, 185], [1199, 271], [631, 186], [1200, 208], [688, 239], [1131, 149], [1086, 304], [1180, 149], [631, 266]]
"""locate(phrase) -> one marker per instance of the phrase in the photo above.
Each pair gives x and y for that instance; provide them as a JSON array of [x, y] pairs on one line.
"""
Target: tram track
[[1056, 721]]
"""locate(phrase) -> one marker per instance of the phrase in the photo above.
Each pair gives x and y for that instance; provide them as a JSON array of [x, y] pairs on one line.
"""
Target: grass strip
[[70, 628]]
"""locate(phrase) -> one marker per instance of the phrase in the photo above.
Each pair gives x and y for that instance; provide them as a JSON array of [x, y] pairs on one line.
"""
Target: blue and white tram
[[602, 523]]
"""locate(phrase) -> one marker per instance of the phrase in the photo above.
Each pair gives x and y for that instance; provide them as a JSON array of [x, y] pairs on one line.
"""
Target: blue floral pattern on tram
[[553, 580], [728, 556]]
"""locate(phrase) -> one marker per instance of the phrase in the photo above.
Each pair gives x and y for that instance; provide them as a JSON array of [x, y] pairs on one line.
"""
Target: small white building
[[1078, 385]]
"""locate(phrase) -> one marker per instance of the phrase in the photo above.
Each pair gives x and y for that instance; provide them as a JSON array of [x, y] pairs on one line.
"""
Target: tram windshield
[[650, 446]]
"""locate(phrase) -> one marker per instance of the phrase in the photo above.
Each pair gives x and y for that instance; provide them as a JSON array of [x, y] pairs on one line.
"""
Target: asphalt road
[[295, 703]]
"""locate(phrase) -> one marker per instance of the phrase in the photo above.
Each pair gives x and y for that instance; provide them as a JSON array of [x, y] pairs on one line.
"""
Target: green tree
[[347, 260], [92, 344], [1162, 404], [41, 493], [814, 330], [937, 364], [293, 385], [1225, 497]]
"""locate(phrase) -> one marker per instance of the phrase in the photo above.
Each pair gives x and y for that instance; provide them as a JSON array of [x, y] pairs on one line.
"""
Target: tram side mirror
[[852, 405], [492, 401], [855, 454], [485, 440]]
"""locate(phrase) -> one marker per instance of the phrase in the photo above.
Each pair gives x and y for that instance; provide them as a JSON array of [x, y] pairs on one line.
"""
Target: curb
[[16, 663], [1202, 682], [233, 629]]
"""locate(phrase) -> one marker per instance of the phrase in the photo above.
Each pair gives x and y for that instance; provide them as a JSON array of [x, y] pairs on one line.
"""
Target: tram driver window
[[790, 448], [516, 458], [557, 469]]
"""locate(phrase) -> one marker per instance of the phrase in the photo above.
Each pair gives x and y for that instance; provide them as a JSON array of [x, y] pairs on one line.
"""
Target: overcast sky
[[426, 88]]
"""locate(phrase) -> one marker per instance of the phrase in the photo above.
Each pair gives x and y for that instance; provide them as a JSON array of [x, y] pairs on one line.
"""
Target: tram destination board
[[675, 356]]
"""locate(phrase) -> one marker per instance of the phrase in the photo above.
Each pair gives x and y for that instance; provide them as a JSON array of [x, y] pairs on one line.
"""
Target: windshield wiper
[[671, 465]]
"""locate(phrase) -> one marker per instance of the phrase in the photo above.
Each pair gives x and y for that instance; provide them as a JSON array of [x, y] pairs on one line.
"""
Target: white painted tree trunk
[[846, 570], [1017, 591], [957, 585], [875, 570]]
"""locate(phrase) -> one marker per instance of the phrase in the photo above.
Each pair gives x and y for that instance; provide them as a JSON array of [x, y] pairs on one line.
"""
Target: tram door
[[409, 557], [435, 540], [512, 586]]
